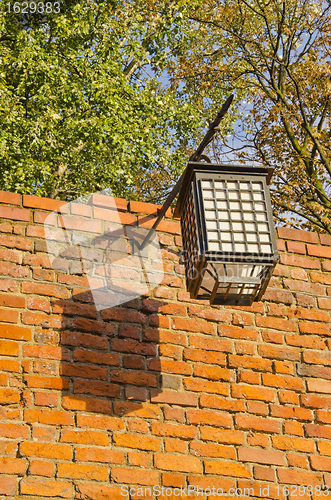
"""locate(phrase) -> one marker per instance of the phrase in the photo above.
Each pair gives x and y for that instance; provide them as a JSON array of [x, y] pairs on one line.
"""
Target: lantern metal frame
[[200, 258]]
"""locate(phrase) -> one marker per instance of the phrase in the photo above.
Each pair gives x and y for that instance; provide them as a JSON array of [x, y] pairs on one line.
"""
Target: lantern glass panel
[[236, 216]]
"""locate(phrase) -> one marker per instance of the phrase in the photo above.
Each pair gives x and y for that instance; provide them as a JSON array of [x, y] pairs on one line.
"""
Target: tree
[[276, 54], [82, 104]]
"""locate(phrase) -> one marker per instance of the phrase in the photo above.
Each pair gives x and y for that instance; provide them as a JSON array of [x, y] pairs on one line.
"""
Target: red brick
[[84, 340], [288, 476], [15, 332], [317, 357], [192, 325], [11, 300], [140, 459], [292, 383], [291, 412], [323, 416], [319, 251], [300, 286], [165, 226], [175, 462], [97, 388], [114, 216], [83, 403], [296, 247], [135, 476], [174, 480], [273, 352], [134, 378], [14, 431], [46, 450], [203, 356], [293, 443], [205, 482], [226, 469], [96, 438], [296, 234], [146, 208], [174, 430], [322, 386], [99, 422], [83, 371], [8, 485], [237, 332], [45, 488], [15, 242], [95, 357], [320, 463], [140, 442], [250, 362], [312, 401], [46, 399], [257, 408], [276, 323], [123, 315], [14, 213], [309, 341], [172, 397], [12, 465], [261, 456], [210, 344], [44, 218], [45, 289], [103, 455], [79, 471], [15, 271], [44, 203], [278, 296], [264, 473], [8, 285], [209, 418], [10, 198], [110, 202], [296, 260], [212, 450], [291, 427], [257, 423], [222, 435], [46, 352], [8, 448], [9, 348], [325, 239], [248, 392], [56, 383], [211, 401], [41, 468], [51, 417], [324, 302], [324, 447]]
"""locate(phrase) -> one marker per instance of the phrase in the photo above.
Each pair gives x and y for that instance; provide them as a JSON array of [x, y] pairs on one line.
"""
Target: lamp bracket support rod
[[163, 210], [197, 156], [213, 128]]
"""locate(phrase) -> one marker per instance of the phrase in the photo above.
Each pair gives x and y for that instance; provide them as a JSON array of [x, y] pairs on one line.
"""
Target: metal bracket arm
[[163, 210]]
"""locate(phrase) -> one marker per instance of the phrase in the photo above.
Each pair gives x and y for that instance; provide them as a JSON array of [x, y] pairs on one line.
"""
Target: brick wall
[[164, 390]]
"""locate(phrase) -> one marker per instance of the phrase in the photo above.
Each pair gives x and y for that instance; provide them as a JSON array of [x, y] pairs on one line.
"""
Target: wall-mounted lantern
[[229, 241]]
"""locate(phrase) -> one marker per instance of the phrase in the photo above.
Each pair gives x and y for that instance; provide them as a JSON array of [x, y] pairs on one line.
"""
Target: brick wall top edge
[[151, 209]]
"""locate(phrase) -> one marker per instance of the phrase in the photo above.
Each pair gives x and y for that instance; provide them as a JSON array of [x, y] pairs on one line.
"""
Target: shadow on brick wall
[[109, 358]]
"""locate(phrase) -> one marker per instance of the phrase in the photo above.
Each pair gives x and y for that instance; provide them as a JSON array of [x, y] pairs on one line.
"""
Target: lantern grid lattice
[[228, 234]]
